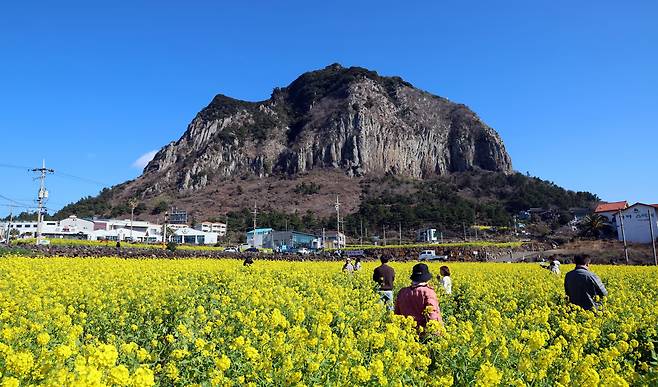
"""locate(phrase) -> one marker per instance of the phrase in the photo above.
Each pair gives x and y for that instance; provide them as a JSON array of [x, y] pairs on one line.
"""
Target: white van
[[430, 255]]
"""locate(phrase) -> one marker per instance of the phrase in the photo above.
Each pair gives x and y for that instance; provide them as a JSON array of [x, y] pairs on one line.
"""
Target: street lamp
[[133, 203]]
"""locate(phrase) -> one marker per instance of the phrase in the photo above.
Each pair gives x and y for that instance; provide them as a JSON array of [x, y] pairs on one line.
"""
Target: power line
[[16, 202], [82, 179], [59, 174], [14, 166]]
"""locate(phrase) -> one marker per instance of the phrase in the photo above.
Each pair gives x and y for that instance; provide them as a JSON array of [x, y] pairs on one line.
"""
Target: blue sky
[[572, 87]]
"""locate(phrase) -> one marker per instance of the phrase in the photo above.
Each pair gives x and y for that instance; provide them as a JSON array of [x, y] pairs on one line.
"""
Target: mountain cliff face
[[347, 119]]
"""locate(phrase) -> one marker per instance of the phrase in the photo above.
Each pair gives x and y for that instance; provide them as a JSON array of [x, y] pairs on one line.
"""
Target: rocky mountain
[[330, 132], [350, 119]]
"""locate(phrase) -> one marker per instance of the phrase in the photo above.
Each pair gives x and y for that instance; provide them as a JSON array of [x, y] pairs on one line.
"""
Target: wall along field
[[214, 322]]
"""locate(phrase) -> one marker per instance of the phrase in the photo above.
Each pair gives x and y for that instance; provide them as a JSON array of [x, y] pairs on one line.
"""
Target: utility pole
[[11, 218], [228, 238], [164, 231], [337, 205], [623, 235], [384, 232], [255, 213], [464, 227], [653, 239], [133, 204], [361, 231], [42, 196], [400, 229], [323, 238]]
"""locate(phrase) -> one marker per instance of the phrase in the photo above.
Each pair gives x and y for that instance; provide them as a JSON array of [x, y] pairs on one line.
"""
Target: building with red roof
[[611, 207]]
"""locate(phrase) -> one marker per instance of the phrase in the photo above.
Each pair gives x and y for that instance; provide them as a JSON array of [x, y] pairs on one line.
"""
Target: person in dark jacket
[[384, 276], [582, 286]]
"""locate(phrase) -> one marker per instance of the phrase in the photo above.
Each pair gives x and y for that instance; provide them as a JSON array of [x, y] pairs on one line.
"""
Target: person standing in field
[[384, 276], [357, 264], [348, 267], [446, 281], [554, 266], [419, 300], [582, 286]]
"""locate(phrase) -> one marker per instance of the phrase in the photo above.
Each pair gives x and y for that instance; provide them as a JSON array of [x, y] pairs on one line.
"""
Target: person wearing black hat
[[419, 300]]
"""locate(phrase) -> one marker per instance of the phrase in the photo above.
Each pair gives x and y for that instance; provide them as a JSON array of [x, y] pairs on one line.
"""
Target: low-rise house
[[49, 229], [290, 241], [610, 210], [428, 235], [194, 237], [120, 234], [579, 213], [256, 238], [75, 224], [334, 240], [218, 227]]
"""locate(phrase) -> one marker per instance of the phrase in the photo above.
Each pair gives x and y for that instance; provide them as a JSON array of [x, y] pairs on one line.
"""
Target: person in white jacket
[[446, 281]]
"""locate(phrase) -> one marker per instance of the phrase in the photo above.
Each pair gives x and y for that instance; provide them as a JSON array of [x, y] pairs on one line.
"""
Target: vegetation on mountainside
[[448, 203], [467, 198], [93, 206]]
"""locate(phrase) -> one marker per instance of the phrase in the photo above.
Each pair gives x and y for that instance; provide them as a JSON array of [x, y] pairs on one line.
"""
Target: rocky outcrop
[[350, 119]]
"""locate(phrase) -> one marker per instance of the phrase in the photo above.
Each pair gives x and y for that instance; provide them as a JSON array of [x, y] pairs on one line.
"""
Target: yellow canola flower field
[[107, 321]]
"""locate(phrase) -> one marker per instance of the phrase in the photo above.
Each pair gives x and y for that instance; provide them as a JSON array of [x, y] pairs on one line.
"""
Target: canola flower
[[113, 322]]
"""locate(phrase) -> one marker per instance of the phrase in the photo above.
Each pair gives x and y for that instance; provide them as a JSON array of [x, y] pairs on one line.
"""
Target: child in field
[[446, 281], [357, 264], [554, 266], [348, 267]]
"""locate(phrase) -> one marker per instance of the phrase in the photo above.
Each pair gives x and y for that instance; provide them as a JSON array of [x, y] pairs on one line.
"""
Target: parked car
[[252, 250], [430, 255], [303, 251], [230, 250]]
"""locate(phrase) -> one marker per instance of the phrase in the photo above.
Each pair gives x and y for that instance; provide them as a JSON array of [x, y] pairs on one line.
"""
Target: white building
[[120, 234], [97, 229], [428, 235], [219, 228], [194, 237], [172, 226], [143, 231], [75, 224], [256, 238], [334, 240], [49, 229], [637, 228]]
